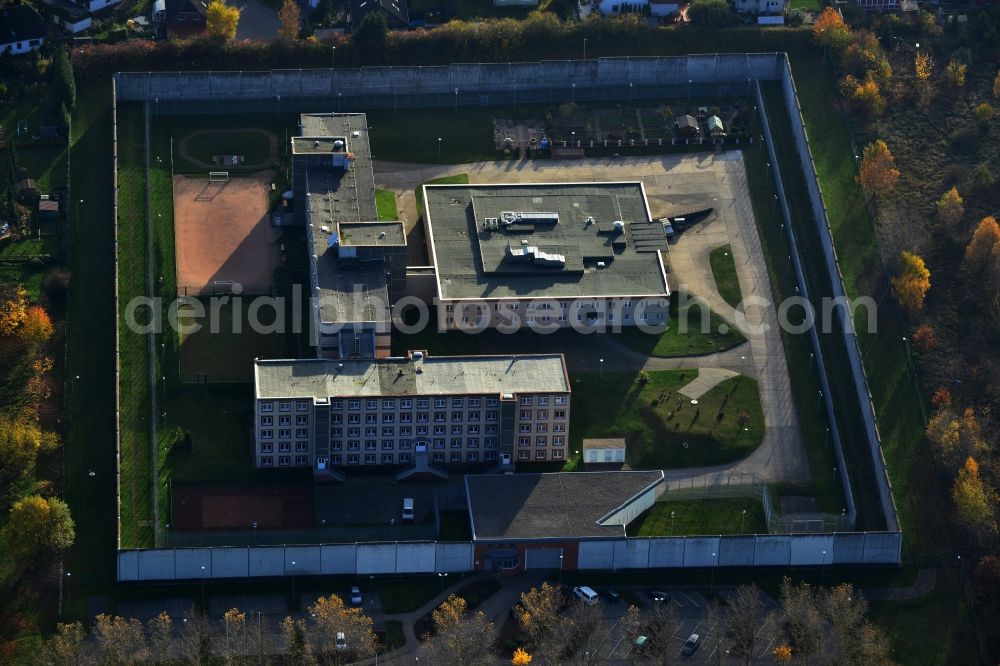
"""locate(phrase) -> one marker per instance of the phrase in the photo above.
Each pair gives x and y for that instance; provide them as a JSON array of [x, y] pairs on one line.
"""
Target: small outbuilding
[[48, 207], [27, 189], [688, 126], [607, 451], [715, 127]]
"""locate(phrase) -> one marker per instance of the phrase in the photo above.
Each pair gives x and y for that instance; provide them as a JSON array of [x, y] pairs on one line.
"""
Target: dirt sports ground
[[223, 235], [199, 507]]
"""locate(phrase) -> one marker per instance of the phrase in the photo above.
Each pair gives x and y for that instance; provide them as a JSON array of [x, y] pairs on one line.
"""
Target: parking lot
[[692, 612]]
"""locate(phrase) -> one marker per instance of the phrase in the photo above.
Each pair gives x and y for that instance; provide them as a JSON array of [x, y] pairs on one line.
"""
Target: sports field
[[223, 235], [220, 507]]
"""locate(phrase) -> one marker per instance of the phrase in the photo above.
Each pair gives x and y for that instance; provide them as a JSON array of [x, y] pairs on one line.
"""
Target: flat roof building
[[468, 410], [543, 517], [551, 253], [357, 263]]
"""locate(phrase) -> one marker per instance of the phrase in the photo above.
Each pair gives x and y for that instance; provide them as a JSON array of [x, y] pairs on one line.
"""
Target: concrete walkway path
[[922, 586], [707, 379]]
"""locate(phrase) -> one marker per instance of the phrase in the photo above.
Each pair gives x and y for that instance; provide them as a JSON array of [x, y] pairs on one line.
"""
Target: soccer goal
[[218, 176]]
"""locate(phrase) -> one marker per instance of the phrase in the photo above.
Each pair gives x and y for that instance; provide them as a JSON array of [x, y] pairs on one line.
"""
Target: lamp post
[[630, 93], [69, 575], [742, 359], [822, 570], [333, 62], [602, 367], [78, 202], [584, 48], [338, 101], [572, 88], [742, 519], [456, 100], [442, 575], [203, 588], [294, 605], [439, 146], [672, 523], [711, 587], [689, 91], [560, 568]]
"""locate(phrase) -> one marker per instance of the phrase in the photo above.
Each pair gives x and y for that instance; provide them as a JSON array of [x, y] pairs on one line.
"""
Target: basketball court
[[223, 234]]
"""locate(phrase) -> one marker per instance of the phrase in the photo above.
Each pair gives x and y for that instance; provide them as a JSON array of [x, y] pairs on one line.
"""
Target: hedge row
[[540, 37]]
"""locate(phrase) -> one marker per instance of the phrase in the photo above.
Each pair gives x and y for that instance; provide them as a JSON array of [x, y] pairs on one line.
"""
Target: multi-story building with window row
[[456, 410]]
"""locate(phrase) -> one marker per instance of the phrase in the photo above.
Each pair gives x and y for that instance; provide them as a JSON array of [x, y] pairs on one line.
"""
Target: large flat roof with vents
[[557, 240]]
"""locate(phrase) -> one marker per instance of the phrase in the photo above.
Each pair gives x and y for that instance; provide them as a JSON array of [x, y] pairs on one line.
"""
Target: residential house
[[715, 127], [761, 6], [180, 18], [72, 17], [22, 29], [397, 13]]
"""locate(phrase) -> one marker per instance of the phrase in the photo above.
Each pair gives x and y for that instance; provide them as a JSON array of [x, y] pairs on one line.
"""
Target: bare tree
[[160, 631], [844, 608], [539, 616], [460, 637], [583, 631], [234, 625], [330, 616], [632, 626], [197, 634], [120, 641], [713, 619], [296, 648], [744, 621], [800, 618], [663, 628], [66, 647]]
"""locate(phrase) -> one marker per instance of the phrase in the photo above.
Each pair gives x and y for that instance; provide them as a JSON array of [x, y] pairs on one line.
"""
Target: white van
[[408, 510], [586, 595]]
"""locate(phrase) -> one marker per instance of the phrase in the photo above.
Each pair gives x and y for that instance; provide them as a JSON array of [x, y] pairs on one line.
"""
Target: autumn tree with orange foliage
[[910, 286], [521, 657], [924, 338], [864, 95], [36, 329], [982, 254], [955, 436], [290, 16], [782, 654], [878, 173], [955, 72], [941, 398], [830, 30], [975, 501]]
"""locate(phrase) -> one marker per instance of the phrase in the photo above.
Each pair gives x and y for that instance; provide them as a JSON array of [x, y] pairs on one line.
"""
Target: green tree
[[62, 79], [951, 207], [371, 38], [38, 528], [21, 440], [711, 13]]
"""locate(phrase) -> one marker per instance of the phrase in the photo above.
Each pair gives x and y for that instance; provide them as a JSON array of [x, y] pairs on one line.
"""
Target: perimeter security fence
[[490, 85]]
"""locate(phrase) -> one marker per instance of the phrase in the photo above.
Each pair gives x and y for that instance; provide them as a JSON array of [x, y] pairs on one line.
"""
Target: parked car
[[408, 510], [356, 596], [585, 594], [611, 595], [657, 595], [341, 643], [691, 645]]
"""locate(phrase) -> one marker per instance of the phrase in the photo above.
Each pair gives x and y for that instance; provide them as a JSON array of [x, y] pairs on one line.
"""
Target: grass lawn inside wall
[[385, 204], [662, 427], [704, 332], [724, 272], [135, 465], [731, 515]]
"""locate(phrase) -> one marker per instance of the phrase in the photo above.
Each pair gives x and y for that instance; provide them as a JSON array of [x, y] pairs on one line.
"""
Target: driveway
[[257, 21], [675, 184]]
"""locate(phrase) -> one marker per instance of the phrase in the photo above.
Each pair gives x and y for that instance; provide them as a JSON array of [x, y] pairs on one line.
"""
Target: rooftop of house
[[605, 443], [372, 234], [397, 11], [413, 375], [544, 241], [19, 23], [557, 505]]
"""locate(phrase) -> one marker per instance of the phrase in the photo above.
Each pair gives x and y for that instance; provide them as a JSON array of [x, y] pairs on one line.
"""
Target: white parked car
[[586, 595], [341, 641]]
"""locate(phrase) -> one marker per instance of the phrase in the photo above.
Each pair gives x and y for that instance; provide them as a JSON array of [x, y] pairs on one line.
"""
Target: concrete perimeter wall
[[876, 548], [825, 235], [479, 84]]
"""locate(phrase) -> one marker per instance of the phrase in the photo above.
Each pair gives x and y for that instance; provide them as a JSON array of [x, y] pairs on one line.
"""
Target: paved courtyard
[[675, 184]]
